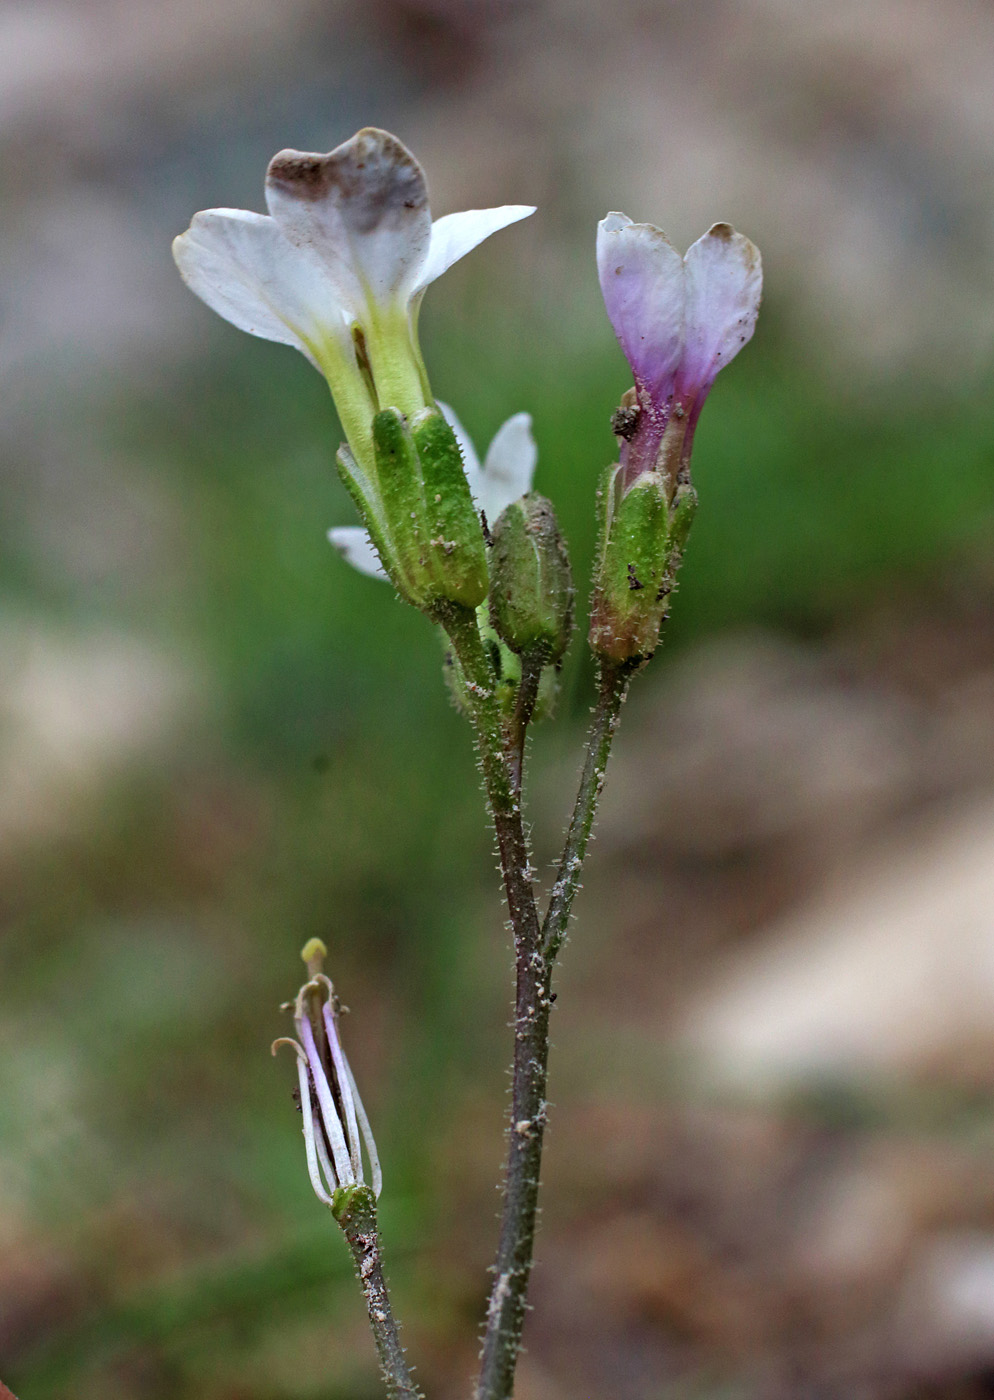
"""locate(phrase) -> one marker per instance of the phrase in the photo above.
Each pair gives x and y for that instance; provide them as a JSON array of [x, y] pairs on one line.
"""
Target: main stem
[[536, 946], [502, 790]]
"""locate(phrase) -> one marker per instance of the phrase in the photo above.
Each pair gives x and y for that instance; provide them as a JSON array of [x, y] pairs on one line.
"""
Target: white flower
[[338, 268], [505, 475]]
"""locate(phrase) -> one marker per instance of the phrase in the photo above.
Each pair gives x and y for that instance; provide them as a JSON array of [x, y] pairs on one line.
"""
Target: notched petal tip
[[302, 173], [362, 209], [724, 289], [372, 172], [725, 233], [616, 223]]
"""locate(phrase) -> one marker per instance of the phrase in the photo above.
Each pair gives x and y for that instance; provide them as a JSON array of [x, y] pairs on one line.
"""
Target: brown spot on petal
[[373, 176], [299, 173], [723, 231]]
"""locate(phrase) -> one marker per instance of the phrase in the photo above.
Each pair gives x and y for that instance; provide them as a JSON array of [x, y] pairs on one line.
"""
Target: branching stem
[[536, 947], [612, 688]]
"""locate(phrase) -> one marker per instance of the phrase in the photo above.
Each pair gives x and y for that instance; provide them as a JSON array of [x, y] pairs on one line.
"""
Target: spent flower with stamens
[[335, 1126]]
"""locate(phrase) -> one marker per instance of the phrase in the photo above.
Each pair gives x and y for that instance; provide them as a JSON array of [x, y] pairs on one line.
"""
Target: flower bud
[[642, 537], [531, 588]]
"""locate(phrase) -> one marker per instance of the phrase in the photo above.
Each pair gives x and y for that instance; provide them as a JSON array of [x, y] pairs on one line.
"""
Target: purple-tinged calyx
[[679, 321], [335, 1126]]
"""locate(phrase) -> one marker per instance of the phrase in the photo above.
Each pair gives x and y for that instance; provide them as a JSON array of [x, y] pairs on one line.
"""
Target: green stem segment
[[524, 708], [536, 946], [502, 792], [356, 1214], [612, 689]]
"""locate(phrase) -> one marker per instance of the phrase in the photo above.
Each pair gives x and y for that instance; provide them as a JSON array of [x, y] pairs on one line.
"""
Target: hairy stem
[[612, 689], [535, 956], [512, 1268], [517, 729], [357, 1217], [506, 1310], [502, 792], [536, 946]]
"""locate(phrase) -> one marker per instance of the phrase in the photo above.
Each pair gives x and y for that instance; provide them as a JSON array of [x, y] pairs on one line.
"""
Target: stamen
[[329, 1113], [367, 1134], [313, 1146], [342, 1075], [323, 1158]]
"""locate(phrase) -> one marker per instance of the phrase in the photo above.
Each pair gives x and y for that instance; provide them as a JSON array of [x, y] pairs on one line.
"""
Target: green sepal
[[682, 513], [362, 491], [402, 501], [456, 550], [632, 585], [531, 589], [604, 497]]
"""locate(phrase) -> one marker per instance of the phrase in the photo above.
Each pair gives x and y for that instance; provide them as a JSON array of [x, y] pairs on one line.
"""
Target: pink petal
[[642, 279], [724, 281]]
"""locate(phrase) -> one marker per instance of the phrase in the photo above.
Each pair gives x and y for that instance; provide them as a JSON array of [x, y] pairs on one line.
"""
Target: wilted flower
[[335, 1124], [679, 321], [505, 475], [338, 269]]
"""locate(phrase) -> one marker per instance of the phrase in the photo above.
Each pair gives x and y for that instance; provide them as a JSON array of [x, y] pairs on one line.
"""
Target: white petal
[[724, 288], [356, 548], [509, 466], [362, 209], [240, 264], [642, 279], [455, 235], [470, 460]]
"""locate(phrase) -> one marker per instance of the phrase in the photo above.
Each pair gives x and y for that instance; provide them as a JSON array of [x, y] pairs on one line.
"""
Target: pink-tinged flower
[[679, 321], [338, 269]]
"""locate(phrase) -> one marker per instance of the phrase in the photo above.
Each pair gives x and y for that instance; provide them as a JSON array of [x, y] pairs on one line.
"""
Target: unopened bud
[[531, 588]]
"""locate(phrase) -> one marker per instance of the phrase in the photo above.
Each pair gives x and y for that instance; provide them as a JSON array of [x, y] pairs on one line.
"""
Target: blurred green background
[[217, 741]]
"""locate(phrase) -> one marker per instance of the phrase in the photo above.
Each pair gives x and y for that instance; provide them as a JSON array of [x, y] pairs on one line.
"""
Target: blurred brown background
[[771, 1166]]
